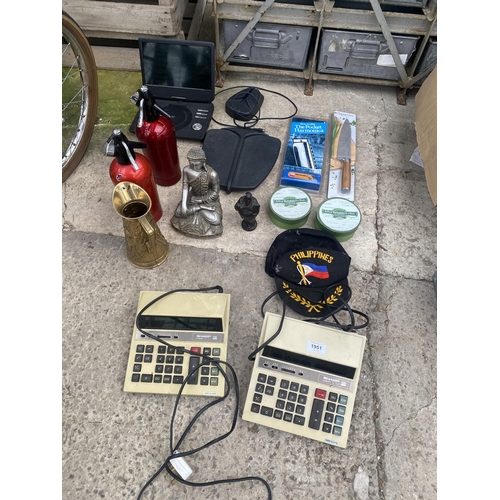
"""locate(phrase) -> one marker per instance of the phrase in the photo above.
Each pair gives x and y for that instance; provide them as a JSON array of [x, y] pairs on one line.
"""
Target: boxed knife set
[[307, 150], [342, 174]]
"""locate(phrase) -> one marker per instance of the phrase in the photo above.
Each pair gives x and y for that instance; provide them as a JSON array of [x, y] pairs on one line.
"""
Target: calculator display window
[[180, 323], [309, 362]]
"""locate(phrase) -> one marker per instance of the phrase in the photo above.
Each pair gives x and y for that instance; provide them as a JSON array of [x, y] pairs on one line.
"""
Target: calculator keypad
[[326, 410], [160, 364]]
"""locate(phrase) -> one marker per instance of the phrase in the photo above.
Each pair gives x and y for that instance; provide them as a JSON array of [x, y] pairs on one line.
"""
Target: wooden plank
[[97, 17], [337, 18], [194, 29]]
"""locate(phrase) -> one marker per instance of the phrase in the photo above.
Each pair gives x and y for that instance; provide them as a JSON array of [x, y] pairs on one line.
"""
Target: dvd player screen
[[177, 65]]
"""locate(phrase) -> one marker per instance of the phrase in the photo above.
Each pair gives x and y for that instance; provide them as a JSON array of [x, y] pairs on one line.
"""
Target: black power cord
[[344, 306], [253, 98], [207, 360]]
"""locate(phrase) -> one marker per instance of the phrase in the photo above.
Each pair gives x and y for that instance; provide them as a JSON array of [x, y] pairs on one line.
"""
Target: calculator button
[[179, 360], [292, 396], [300, 410], [280, 404], [149, 348], [138, 358], [178, 369], [146, 377], [290, 407], [178, 379], [157, 379], [204, 380], [284, 384], [169, 360], [137, 368], [288, 417], [135, 377], [180, 350], [257, 398], [332, 396], [302, 399], [278, 414], [320, 393], [167, 379], [214, 371], [139, 348], [148, 358], [339, 420], [169, 369], [341, 410], [282, 394], [304, 389], [316, 413], [197, 350], [259, 388], [159, 369], [160, 358], [269, 390], [216, 351], [170, 349], [330, 407], [162, 349], [266, 411], [327, 428], [194, 361], [294, 386], [271, 380], [329, 417], [207, 351], [299, 420], [255, 408], [262, 378], [337, 431], [343, 400], [214, 381]]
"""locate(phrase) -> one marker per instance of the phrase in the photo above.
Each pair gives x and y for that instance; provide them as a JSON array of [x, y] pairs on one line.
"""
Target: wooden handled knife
[[344, 154]]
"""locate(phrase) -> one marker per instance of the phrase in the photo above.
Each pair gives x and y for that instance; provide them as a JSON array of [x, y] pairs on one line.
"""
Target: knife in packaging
[[344, 154]]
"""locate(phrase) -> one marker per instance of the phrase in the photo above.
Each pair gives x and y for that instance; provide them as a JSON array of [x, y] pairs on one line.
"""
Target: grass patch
[[115, 108]]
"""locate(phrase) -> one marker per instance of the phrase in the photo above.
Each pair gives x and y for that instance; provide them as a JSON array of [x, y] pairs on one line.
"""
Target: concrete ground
[[113, 441]]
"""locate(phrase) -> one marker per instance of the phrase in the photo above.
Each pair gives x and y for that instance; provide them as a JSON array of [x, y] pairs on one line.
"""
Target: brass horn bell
[[146, 245]]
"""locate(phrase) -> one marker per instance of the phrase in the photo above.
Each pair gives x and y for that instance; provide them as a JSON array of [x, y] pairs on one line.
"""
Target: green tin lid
[[289, 207], [339, 217]]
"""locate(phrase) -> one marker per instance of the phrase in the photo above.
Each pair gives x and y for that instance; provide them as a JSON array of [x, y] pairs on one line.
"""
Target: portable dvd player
[[180, 74]]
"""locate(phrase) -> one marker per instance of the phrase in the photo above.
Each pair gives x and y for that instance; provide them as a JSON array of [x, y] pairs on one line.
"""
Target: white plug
[[181, 466]]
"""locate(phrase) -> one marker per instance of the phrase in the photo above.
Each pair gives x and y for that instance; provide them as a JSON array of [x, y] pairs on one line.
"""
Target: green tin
[[339, 217], [289, 207]]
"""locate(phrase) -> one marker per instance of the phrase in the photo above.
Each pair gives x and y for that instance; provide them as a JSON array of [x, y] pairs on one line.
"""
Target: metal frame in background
[[322, 14]]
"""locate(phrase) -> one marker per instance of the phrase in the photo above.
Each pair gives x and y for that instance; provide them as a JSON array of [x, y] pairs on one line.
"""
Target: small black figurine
[[248, 207]]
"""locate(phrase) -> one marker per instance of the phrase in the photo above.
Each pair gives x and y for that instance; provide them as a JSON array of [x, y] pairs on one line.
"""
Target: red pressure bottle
[[157, 130], [129, 166]]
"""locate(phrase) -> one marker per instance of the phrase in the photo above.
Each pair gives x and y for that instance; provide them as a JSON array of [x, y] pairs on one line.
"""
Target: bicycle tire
[[86, 104]]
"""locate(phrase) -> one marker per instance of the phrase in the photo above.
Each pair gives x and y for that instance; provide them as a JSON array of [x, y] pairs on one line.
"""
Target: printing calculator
[[305, 380], [194, 321]]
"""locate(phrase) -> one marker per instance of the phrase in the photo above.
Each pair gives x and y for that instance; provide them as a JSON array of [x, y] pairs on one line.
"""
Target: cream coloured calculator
[[193, 324], [305, 380]]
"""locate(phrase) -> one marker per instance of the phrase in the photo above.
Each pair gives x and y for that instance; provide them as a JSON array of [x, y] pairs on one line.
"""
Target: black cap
[[310, 268]]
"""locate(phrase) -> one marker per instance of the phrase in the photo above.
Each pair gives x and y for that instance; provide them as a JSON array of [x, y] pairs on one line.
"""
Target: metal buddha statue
[[199, 213]]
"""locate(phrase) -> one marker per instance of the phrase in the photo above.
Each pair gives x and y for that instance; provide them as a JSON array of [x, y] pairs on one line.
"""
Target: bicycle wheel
[[79, 94]]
